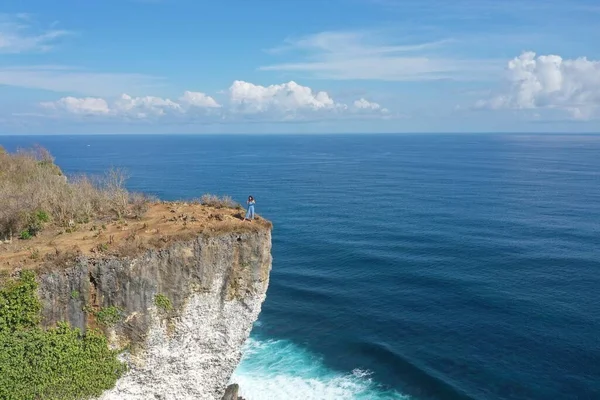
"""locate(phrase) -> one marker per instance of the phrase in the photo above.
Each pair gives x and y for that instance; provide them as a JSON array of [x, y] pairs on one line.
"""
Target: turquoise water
[[422, 267], [280, 369]]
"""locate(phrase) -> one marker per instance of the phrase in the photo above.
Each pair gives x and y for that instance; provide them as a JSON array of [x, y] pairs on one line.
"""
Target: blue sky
[[183, 66]]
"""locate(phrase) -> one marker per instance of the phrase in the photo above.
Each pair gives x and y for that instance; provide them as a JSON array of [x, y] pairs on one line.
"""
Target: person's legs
[[251, 211], [248, 213]]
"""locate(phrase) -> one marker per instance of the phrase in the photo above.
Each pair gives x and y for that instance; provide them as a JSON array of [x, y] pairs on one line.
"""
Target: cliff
[[173, 288], [179, 306], [216, 286]]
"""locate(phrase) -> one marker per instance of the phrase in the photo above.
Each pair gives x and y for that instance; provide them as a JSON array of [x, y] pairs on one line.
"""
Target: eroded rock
[[215, 285]]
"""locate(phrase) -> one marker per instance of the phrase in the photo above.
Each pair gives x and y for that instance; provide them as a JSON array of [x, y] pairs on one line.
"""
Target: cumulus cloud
[[288, 97], [550, 82], [363, 104], [134, 107], [282, 102], [142, 107], [83, 106], [18, 35], [198, 99]]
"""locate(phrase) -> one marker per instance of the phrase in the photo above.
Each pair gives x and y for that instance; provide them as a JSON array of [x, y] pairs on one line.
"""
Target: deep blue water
[[432, 267]]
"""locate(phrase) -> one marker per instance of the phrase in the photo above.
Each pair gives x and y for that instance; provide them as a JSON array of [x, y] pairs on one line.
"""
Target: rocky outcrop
[[231, 393], [182, 313]]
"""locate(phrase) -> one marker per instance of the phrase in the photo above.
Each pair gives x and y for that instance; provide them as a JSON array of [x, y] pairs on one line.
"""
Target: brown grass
[[34, 192], [94, 217], [215, 201], [162, 225]]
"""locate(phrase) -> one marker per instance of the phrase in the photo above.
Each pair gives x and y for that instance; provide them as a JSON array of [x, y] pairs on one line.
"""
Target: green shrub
[[34, 225], [42, 216], [59, 363], [19, 305], [36, 222], [74, 294], [34, 228], [108, 316], [163, 302]]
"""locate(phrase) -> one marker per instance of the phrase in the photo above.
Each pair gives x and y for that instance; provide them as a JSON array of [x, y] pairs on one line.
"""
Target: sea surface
[[405, 266]]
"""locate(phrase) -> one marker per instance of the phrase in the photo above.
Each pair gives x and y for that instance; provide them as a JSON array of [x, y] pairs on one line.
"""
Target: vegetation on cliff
[[47, 220], [34, 192], [56, 363]]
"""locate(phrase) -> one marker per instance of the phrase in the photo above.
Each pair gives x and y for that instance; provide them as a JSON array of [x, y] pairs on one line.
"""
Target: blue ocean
[[442, 267]]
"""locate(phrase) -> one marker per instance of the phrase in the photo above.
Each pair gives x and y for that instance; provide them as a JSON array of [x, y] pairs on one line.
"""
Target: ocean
[[419, 267]]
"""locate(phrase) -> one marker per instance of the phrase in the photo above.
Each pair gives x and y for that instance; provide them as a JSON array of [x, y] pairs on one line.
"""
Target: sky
[[299, 66]]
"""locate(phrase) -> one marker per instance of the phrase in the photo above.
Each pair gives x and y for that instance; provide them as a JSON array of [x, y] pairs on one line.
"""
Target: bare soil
[[163, 223]]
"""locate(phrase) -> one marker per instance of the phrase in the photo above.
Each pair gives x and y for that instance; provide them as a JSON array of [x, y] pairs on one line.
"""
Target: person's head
[[250, 198]]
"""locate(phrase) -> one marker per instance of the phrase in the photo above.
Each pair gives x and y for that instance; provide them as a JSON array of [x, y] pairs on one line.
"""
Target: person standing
[[250, 212]]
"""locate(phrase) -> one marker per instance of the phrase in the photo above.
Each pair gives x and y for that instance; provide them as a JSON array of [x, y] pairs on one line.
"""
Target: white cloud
[[284, 102], [18, 35], [362, 105], [289, 97], [364, 55], [128, 106], [366, 105], [550, 82], [143, 107], [198, 99], [84, 106]]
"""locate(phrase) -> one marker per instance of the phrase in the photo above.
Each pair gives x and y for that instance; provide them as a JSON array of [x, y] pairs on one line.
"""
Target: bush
[[163, 302], [140, 203], [19, 305], [218, 202], [108, 316], [42, 216], [53, 364], [56, 364], [115, 193], [36, 223], [34, 192]]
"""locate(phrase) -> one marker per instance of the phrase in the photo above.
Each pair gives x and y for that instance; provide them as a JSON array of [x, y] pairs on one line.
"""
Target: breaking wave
[[279, 369]]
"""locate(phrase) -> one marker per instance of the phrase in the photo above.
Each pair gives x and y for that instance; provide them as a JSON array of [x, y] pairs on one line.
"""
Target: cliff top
[[163, 223], [47, 219]]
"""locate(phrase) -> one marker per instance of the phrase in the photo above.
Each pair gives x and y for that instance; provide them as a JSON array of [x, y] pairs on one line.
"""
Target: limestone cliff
[[215, 283]]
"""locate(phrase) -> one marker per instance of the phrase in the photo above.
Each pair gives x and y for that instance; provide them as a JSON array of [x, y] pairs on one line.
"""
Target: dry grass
[[212, 200], [65, 218], [34, 192], [162, 225]]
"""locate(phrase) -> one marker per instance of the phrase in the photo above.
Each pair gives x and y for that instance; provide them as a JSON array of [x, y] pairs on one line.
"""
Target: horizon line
[[297, 134]]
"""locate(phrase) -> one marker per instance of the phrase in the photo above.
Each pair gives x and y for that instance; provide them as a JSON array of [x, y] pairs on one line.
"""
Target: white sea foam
[[279, 369]]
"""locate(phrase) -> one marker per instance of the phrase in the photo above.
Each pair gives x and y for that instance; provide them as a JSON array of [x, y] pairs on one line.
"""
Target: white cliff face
[[217, 286], [197, 359]]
